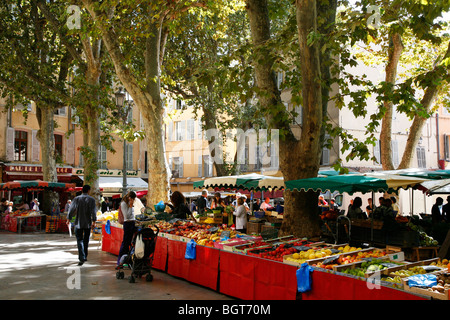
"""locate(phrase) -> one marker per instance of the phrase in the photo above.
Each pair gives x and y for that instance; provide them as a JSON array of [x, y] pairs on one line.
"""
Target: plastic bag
[[139, 247], [190, 250], [160, 206], [304, 279], [422, 280], [120, 218], [107, 227]]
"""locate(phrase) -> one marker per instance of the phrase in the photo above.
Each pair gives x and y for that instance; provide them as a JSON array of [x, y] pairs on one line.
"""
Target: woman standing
[[241, 216], [179, 207], [217, 201], [129, 227], [355, 211]]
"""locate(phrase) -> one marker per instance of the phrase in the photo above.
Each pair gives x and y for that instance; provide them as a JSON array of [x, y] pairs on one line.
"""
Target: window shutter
[[129, 156], [169, 136], [200, 161], [190, 129], [35, 146], [70, 149], [446, 148], [394, 147], [9, 144], [376, 152]]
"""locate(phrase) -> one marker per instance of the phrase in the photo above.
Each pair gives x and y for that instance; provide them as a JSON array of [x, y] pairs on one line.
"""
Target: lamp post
[[122, 110]]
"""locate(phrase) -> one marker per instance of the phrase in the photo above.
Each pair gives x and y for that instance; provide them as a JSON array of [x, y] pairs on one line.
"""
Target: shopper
[[369, 208], [67, 206], [395, 207], [129, 224], [241, 216], [179, 207], [83, 208], [217, 201], [436, 215], [355, 211], [3, 205], [446, 210], [202, 202]]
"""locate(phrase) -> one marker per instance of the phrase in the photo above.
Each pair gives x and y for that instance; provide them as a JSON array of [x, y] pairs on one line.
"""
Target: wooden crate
[[253, 227], [427, 292]]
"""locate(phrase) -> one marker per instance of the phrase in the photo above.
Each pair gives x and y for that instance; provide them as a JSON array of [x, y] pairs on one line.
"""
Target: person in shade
[[84, 209]]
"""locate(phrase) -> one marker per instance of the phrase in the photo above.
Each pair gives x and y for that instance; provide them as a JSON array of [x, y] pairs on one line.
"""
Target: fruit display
[[369, 267], [440, 263], [347, 248], [409, 272], [273, 253], [395, 279]]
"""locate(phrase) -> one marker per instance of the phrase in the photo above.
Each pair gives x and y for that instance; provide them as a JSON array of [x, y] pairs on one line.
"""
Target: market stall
[[31, 219], [254, 268], [266, 267]]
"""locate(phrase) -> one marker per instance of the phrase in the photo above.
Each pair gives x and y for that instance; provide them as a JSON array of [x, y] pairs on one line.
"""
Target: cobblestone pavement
[[44, 266]]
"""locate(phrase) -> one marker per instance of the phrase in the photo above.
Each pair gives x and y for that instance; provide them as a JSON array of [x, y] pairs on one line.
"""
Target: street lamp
[[122, 110]]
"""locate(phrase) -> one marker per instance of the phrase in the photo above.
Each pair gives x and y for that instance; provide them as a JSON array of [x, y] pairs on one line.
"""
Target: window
[[177, 167], [59, 145], [60, 112], [190, 129], [207, 168], [20, 145], [421, 158], [179, 130]]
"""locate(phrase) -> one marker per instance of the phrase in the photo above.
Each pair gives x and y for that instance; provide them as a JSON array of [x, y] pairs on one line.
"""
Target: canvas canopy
[[351, 183], [35, 184]]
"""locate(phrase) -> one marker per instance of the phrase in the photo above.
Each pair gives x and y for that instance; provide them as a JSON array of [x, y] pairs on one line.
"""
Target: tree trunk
[[92, 118], [147, 98], [395, 52], [298, 159], [46, 138], [427, 101]]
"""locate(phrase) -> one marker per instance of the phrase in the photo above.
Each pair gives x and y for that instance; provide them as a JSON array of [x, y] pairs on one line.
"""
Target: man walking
[[84, 210]]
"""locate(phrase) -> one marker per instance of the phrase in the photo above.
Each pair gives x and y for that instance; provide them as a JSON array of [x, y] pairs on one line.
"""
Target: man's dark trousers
[[82, 236]]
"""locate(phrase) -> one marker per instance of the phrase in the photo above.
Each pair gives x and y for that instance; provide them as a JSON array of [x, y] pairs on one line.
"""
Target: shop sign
[[35, 169], [109, 173]]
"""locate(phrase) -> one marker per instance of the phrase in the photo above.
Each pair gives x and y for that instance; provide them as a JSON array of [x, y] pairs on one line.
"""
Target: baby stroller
[[140, 266]]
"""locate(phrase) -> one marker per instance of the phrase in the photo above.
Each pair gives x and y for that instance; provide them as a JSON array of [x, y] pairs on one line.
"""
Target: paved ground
[[44, 266]]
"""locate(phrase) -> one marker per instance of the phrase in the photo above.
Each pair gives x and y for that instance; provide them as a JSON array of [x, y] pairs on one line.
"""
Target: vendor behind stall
[[23, 206], [3, 205]]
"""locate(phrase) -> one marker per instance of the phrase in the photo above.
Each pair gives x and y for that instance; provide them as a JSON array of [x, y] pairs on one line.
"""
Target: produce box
[[229, 244], [370, 270], [412, 268], [365, 223], [439, 292], [244, 248], [257, 251], [289, 259]]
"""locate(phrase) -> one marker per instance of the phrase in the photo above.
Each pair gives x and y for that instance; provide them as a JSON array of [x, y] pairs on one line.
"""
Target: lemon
[[296, 256]]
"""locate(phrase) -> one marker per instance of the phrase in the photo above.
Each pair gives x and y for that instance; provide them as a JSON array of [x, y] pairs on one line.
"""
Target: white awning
[[114, 184]]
